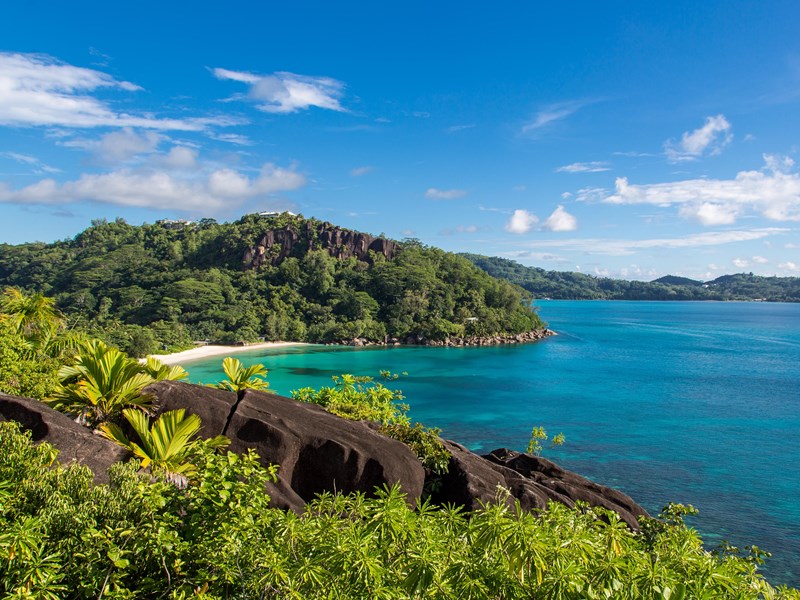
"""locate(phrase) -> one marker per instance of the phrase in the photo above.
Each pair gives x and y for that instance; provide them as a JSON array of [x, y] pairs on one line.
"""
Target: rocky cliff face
[[278, 244], [319, 452]]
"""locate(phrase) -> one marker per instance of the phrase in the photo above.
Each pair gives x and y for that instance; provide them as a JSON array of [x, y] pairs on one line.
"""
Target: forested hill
[[570, 285], [276, 276]]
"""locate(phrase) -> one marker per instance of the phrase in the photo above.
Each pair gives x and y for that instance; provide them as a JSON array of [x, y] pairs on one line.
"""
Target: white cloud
[[157, 189], [789, 266], [760, 260], [437, 194], [460, 229], [585, 167], [457, 128], [25, 159], [615, 247], [284, 92], [740, 263], [551, 114], [359, 171], [180, 157], [233, 138], [713, 136], [38, 90], [774, 192], [120, 145], [521, 221], [561, 220]]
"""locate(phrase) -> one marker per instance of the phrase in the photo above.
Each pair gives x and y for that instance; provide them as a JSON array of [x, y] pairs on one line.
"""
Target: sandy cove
[[177, 358]]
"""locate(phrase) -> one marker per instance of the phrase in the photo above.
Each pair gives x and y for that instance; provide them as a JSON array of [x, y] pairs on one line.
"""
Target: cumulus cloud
[[38, 90], [561, 220], [359, 171], [521, 221], [284, 92], [760, 260], [773, 192], [714, 135], [585, 167], [180, 157], [789, 266], [740, 263], [119, 146], [615, 247], [437, 194], [158, 189]]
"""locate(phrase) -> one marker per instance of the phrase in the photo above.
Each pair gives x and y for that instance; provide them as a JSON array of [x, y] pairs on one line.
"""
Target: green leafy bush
[[361, 398], [139, 537]]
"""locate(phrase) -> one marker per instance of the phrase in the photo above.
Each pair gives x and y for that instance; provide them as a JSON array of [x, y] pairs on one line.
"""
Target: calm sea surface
[[689, 402]]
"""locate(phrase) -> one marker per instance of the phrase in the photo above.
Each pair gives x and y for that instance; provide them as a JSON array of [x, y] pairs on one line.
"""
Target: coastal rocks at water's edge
[[319, 452], [486, 340]]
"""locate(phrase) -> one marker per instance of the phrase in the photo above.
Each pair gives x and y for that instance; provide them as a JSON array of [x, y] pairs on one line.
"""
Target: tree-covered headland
[[161, 286], [566, 285]]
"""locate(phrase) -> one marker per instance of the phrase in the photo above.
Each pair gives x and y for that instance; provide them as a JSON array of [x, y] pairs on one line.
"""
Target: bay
[[691, 402]]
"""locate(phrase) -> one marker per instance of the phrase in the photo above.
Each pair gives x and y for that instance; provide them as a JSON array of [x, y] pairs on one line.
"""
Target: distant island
[[564, 285]]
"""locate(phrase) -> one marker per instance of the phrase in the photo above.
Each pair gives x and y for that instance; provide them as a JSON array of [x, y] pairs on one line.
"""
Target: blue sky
[[631, 139]]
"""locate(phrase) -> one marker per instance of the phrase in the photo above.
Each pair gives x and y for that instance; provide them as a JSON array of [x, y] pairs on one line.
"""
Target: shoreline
[[210, 351]]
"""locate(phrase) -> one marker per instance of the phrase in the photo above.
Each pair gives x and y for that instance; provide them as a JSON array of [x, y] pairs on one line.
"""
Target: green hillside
[[279, 276], [578, 286]]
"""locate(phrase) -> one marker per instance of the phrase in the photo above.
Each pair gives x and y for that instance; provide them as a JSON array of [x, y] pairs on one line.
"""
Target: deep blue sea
[[692, 402]]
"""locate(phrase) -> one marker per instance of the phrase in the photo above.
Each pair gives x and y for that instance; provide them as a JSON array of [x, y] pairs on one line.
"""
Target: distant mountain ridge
[[579, 286]]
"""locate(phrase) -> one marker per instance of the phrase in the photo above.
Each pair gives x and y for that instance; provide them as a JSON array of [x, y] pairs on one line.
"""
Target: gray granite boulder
[[74, 442]]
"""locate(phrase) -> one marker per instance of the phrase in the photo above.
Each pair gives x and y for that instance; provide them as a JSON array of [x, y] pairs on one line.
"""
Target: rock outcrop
[[74, 442], [316, 451], [278, 244], [473, 480], [319, 452]]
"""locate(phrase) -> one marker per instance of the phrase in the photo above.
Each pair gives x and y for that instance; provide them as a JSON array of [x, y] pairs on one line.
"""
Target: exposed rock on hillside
[[278, 244], [74, 442]]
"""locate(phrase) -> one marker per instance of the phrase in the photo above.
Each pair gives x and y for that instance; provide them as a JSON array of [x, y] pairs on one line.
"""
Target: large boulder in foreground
[[74, 442], [473, 480], [320, 452], [315, 450]]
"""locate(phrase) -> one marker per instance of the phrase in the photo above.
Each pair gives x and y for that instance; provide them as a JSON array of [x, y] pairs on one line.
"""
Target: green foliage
[[63, 537], [242, 378], [537, 439], [361, 398], [100, 383], [160, 372], [152, 288], [166, 444], [579, 286], [23, 372]]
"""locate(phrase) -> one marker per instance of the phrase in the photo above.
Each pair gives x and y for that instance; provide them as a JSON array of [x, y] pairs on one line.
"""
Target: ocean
[[691, 402]]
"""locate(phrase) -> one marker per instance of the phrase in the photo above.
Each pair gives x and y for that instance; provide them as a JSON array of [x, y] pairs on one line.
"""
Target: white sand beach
[[177, 358]]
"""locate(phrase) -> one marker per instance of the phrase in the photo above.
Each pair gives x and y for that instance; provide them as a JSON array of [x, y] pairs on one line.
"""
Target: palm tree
[[166, 445], [160, 372], [100, 384], [240, 378], [29, 313]]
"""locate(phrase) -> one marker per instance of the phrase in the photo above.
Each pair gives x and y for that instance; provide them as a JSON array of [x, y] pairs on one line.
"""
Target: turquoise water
[[669, 401]]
